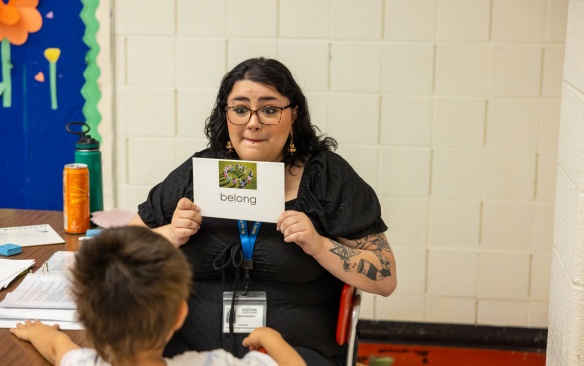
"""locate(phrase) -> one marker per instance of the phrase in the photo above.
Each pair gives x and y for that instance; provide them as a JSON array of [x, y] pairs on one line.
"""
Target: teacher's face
[[255, 140]]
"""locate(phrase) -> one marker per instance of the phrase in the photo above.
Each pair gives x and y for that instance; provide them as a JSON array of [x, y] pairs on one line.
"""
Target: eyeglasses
[[268, 115]]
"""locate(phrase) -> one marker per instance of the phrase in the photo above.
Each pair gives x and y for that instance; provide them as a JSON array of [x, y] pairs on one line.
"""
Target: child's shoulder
[[220, 357], [82, 357]]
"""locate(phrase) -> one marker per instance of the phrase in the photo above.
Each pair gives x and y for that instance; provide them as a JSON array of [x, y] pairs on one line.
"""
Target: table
[[14, 351]]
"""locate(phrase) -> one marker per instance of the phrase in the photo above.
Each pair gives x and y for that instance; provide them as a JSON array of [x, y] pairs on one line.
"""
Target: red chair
[[347, 321]]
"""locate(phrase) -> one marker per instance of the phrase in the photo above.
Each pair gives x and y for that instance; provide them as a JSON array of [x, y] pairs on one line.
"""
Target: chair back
[[347, 321]]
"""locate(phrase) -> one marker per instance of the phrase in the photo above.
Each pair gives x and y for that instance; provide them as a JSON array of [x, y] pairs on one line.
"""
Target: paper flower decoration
[[18, 18], [52, 55]]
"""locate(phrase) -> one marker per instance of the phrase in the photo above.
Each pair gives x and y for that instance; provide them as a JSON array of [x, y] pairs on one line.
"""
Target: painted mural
[[48, 79]]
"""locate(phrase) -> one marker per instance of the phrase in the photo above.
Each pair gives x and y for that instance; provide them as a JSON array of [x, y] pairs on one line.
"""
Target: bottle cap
[[87, 143]]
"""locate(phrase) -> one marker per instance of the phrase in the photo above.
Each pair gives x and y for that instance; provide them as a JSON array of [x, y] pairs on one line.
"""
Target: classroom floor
[[414, 355]]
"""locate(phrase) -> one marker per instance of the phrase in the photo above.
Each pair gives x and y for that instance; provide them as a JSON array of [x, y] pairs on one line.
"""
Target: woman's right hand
[[186, 221]]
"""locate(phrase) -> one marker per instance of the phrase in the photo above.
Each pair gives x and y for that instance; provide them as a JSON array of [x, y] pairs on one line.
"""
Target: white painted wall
[[450, 109], [566, 313]]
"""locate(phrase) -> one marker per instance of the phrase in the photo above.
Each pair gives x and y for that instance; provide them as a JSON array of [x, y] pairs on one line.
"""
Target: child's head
[[129, 284]]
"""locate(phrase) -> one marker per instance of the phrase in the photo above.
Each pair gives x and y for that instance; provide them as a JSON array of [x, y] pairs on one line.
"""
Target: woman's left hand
[[366, 263], [297, 227]]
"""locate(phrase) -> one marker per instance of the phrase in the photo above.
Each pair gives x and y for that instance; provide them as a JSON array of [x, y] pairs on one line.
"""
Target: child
[[130, 286]]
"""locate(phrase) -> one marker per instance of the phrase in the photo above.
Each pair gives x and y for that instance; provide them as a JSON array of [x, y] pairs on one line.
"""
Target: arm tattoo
[[368, 269], [374, 242], [344, 253]]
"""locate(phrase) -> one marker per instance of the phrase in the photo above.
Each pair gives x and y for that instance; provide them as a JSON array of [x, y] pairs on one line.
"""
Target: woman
[[330, 233]]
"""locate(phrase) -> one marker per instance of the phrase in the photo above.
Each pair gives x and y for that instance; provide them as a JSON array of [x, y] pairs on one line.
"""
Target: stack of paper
[[59, 263], [12, 268], [44, 296]]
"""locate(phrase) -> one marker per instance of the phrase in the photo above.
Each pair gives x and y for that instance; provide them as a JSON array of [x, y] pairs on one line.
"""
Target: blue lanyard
[[248, 240]]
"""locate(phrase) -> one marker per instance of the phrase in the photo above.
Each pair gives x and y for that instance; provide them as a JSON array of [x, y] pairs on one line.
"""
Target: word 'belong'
[[238, 199]]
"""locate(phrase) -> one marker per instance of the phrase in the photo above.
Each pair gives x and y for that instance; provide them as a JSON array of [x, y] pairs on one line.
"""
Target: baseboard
[[460, 335]]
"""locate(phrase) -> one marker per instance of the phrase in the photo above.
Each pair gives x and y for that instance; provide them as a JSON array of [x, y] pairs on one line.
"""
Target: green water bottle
[[87, 152]]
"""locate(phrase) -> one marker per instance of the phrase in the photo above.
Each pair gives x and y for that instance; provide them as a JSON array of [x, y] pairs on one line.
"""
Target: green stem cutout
[[6, 84], [53, 81]]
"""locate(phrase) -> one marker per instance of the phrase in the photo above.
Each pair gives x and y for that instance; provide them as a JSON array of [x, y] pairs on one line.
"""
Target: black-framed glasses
[[267, 115]]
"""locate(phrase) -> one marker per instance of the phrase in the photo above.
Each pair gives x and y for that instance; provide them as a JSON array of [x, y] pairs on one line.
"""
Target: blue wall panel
[[34, 145]]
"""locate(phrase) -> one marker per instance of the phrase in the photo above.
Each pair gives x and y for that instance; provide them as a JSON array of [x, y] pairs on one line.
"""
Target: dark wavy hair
[[270, 72]]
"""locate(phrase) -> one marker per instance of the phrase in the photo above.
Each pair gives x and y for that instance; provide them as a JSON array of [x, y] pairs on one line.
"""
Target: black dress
[[303, 297]]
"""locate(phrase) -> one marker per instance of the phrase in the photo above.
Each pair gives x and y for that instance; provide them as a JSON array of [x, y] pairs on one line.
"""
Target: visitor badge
[[250, 311]]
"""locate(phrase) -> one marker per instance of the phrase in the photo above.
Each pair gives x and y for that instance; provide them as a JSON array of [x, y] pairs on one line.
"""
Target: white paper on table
[[64, 315], [41, 291], [30, 235], [11, 323], [259, 198], [12, 268]]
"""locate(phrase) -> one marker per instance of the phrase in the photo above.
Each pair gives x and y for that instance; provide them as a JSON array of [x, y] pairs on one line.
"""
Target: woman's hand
[[366, 263], [297, 227], [186, 221]]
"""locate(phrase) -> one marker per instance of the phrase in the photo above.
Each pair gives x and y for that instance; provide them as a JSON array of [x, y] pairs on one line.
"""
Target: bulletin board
[[48, 78]]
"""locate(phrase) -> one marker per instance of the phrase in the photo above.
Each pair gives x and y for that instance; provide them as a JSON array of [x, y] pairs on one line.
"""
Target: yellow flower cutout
[[52, 54]]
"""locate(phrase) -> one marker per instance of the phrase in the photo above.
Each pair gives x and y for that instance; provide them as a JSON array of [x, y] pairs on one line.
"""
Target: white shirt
[[218, 357]]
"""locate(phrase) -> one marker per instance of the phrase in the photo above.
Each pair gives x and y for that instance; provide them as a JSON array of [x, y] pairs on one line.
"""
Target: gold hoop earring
[[291, 148], [229, 147]]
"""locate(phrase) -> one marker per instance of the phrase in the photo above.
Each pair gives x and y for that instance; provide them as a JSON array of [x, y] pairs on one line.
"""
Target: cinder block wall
[[449, 109], [566, 315]]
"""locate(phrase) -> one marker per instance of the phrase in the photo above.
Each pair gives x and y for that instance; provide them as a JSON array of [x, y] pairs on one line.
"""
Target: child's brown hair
[[128, 283]]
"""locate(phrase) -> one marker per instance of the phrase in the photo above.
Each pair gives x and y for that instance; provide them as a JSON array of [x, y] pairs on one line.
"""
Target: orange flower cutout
[[18, 18]]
